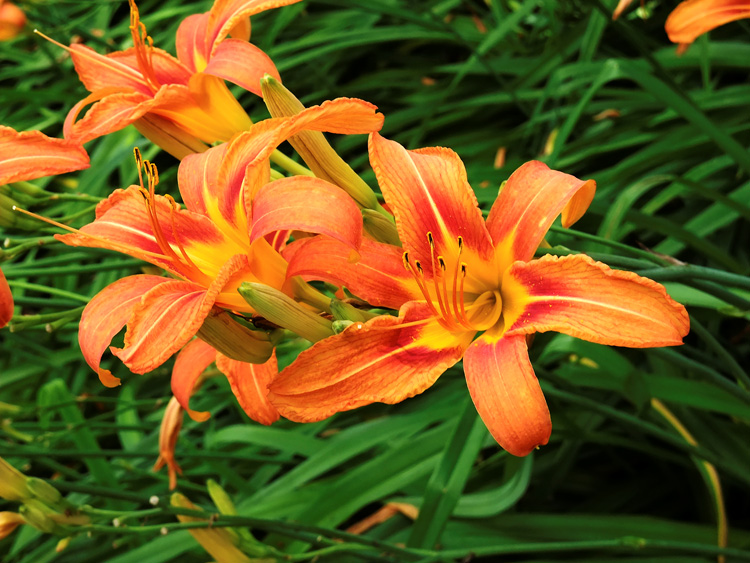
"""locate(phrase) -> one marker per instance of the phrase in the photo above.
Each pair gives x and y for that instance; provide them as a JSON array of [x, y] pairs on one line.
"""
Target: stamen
[[462, 313], [441, 302], [416, 271], [107, 243], [113, 64], [144, 47], [174, 207]]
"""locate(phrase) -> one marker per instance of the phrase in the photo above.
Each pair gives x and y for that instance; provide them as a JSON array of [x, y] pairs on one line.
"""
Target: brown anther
[[463, 269], [418, 264], [430, 239], [441, 262], [405, 258], [460, 243]]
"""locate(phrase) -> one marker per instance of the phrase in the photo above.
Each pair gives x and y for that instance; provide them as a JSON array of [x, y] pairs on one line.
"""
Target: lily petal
[[249, 384], [506, 392], [693, 18], [577, 296], [120, 69], [169, 316], [378, 277], [106, 314], [191, 42], [123, 224], [189, 365], [306, 204], [428, 192], [6, 301], [246, 167], [529, 203], [115, 111], [378, 361], [227, 14], [242, 63], [25, 155]]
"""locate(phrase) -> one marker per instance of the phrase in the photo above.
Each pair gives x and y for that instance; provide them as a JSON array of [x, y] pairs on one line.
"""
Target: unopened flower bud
[[313, 147], [284, 311], [381, 227], [235, 340], [13, 483]]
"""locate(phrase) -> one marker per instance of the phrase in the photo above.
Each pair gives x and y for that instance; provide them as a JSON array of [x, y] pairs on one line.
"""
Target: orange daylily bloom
[[693, 18], [179, 103], [12, 20], [467, 289], [219, 241]]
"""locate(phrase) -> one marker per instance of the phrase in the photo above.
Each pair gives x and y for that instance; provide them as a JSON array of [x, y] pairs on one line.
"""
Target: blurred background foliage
[[664, 136]]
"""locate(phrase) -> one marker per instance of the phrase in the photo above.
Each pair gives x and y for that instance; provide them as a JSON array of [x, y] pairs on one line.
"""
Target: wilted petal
[[171, 424], [189, 365], [378, 361], [27, 155], [506, 393], [378, 277], [577, 296], [249, 384], [306, 204], [106, 314], [529, 203]]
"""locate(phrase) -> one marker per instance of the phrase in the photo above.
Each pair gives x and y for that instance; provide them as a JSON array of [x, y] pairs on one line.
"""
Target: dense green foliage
[[617, 482]]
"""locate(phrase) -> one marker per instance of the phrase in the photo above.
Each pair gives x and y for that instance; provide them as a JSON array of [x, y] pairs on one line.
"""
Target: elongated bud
[[234, 340], [247, 541], [313, 147], [38, 515], [220, 543], [169, 136], [221, 498], [284, 311], [13, 483], [24, 188], [380, 227], [46, 493], [306, 293], [343, 311], [11, 219]]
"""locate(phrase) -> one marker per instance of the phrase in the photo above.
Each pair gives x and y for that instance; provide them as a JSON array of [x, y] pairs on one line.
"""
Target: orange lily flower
[[179, 103], [27, 155], [12, 20], [458, 277], [693, 18], [213, 246]]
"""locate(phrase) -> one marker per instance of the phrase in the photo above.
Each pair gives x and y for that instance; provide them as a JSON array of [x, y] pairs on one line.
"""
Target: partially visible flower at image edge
[[693, 18]]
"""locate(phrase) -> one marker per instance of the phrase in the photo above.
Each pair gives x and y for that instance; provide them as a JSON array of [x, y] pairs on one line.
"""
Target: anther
[[441, 262], [430, 239], [405, 258], [419, 267], [460, 243]]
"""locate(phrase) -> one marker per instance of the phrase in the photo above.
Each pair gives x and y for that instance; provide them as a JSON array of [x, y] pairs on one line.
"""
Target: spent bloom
[[466, 288]]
